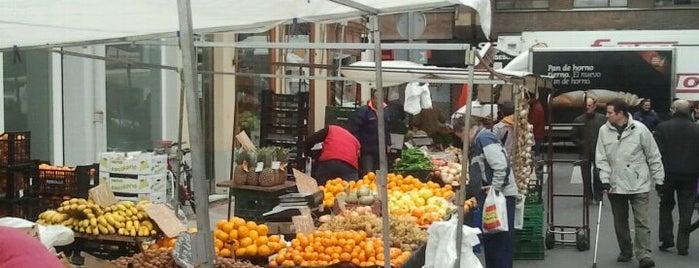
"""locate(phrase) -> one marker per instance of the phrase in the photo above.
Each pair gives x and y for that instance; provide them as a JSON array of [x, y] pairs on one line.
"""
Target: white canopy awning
[[30, 23]]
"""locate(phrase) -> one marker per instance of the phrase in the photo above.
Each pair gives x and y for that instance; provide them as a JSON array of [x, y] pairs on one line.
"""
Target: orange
[[262, 240], [227, 227], [253, 234], [237, 222], [221, 223], [243, 231], [240, 252], [264, 251], [233, 234], [251, 250], [273, 263], [345, 256], [245, 242], [262, 229], [251, 225], [218, 243], [225, 253], [221, 235], [274, 238], [217, 251]]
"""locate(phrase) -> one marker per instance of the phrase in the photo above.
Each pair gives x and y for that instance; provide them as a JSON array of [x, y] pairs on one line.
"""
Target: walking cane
[[599, 216]]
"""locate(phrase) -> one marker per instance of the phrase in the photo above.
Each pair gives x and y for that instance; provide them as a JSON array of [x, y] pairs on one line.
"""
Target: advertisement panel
[[632, 74]]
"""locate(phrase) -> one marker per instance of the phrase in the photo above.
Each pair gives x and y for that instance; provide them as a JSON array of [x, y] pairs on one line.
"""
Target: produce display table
[[254, 199], [105, 246]]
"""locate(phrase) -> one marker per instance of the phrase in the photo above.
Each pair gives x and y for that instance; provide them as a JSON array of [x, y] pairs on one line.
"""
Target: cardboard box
[[133, 163], [156, 198], [135, 184]]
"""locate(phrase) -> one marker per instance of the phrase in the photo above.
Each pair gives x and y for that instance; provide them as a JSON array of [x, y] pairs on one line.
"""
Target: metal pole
[[383, 164], [203, 244], [461, 195]]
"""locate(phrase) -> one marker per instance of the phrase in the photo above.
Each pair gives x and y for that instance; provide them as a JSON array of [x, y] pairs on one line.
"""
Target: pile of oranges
[[331, 189], [410, 183], [325, 248], [244, 239], [167, 243]]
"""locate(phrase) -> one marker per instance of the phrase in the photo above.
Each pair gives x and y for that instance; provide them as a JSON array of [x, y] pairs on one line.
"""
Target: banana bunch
[[123, 218]]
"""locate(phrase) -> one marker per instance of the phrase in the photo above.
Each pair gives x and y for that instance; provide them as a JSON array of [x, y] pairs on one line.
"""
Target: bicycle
[[181, 174]]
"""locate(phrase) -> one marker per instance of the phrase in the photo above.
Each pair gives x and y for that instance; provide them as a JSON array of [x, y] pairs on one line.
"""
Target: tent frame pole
[[203, 241], [383, 161], [461, 194]]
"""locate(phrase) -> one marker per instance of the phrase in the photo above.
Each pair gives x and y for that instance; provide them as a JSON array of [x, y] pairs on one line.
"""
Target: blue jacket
[[364, 126], [489, 165]]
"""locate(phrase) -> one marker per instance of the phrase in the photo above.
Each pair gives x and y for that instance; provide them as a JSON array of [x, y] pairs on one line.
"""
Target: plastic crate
[[17, 182], [529, 249], [74, 183], [250, 204], [340, 116], [19, 208], [15, 148]]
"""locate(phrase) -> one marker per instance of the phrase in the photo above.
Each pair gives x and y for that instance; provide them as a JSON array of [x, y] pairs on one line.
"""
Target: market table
[[249, 189], [119, 241]]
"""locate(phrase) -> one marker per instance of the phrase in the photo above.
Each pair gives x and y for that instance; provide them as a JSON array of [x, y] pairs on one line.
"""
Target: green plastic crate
[[529, 249]]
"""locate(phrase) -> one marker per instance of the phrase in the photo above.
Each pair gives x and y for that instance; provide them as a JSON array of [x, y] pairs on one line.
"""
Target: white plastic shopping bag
[[519, 211], [441, 245], [495, 212]]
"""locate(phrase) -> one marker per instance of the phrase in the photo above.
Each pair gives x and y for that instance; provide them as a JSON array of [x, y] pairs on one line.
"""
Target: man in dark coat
[[585, 138], [364, 125], [647, 116], [678, 141]]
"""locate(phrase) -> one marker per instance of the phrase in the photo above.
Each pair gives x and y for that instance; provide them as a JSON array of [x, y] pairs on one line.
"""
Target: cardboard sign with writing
[[305, 211], [306, 184], [245, 141], [102, 195], [166, 219], [303, 224]]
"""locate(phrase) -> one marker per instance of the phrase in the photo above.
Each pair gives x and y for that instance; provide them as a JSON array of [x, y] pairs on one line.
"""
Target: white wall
[[84, 90], [224, 109], [57, 109]]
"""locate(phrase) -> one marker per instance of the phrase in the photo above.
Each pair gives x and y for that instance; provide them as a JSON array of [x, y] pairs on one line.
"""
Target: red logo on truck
[[687, 83], [600, 43]]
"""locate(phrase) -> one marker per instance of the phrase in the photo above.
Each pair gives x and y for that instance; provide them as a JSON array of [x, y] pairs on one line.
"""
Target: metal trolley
[[558, 234]]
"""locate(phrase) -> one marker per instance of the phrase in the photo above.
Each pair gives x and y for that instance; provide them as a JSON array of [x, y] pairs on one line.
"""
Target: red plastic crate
[[74, 183], [15, 148]]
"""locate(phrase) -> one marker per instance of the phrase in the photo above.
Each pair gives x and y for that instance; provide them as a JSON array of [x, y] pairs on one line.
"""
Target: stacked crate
[[17, 174], [135, 176], [529, 242], [284, 121]]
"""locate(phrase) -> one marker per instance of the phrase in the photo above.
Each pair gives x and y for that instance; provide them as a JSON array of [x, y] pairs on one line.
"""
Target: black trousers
[[686, 196], [592, 185]]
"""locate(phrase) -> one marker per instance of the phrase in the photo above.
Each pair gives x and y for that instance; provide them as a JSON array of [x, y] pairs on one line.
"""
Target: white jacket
[[628, 161]]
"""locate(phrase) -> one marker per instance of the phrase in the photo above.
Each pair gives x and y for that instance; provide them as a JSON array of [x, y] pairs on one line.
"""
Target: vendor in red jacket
[[339, 156]]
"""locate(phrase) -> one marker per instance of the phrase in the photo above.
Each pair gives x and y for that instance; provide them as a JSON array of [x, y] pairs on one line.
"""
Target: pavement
[[568, 211]]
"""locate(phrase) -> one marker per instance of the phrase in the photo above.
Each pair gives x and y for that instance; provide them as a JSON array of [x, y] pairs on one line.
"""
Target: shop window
[[662, 3], [27, 98], [249, 88], [521, 4], [134, 98], [599, 3]]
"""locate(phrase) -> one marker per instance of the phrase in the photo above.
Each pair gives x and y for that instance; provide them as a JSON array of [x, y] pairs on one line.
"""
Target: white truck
[[685, 42]]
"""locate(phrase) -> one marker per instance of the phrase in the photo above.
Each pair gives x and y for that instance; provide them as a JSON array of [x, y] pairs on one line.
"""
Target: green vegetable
[[413, 159]]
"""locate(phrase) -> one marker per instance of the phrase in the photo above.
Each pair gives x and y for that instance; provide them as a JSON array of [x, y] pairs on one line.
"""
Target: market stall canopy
[[30, 23]]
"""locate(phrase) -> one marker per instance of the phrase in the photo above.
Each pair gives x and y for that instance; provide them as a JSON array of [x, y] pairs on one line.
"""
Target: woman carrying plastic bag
[[490, 170]]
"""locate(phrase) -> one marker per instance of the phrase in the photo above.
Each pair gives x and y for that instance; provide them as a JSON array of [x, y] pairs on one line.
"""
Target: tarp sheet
[[29, 23]]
